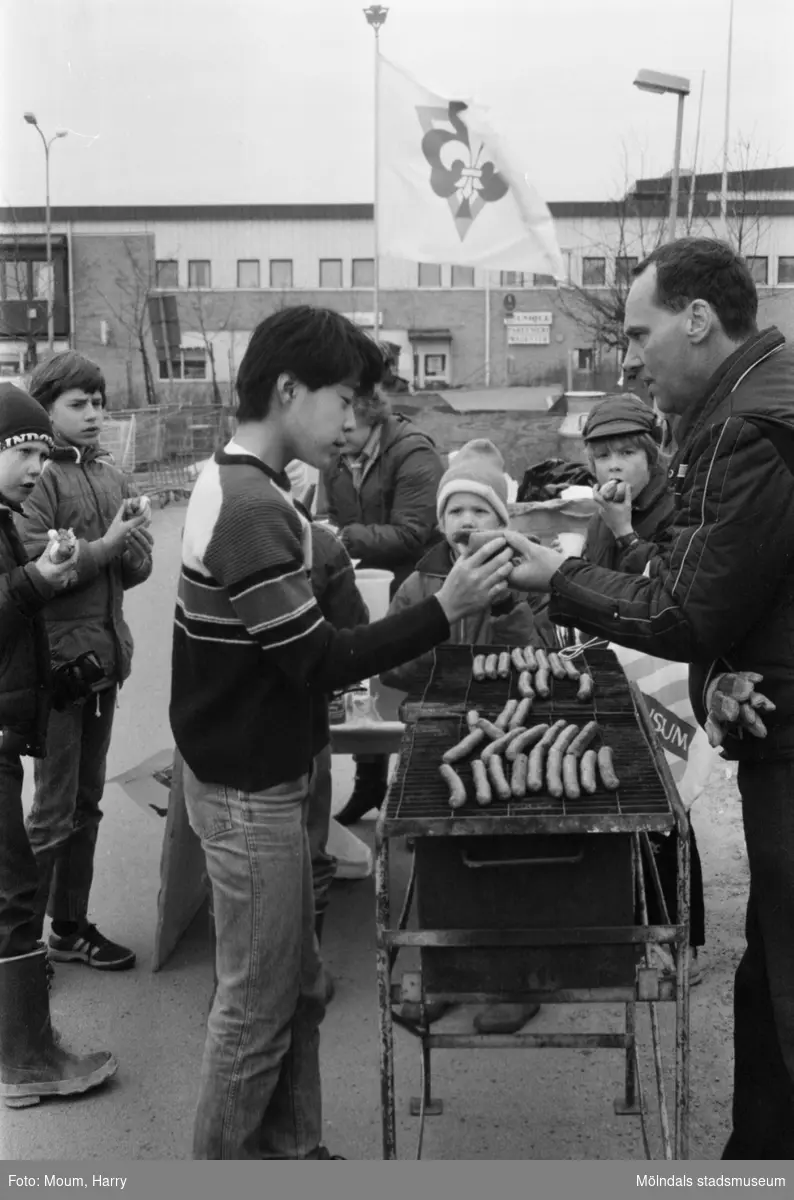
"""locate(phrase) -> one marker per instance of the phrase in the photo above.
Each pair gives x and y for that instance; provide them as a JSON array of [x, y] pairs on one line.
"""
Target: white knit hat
[[478, 467]]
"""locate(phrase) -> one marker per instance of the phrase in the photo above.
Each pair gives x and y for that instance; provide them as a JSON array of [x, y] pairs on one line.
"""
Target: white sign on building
[[528, 335], [529, 318]]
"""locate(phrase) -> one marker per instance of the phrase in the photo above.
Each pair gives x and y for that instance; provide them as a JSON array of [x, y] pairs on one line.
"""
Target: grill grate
[[451, 690]]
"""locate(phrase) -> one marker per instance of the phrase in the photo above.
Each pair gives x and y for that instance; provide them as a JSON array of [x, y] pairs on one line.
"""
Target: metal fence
[[164, 447]]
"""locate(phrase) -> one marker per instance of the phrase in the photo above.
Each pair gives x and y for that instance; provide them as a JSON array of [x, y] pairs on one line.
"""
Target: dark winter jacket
[[24, 651], [340, 602], [721, 594], [390, 522], [83, 490], [510, 623], [649, 519]]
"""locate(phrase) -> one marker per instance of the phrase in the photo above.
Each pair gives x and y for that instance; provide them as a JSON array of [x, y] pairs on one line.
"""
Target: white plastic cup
[[374, 588]]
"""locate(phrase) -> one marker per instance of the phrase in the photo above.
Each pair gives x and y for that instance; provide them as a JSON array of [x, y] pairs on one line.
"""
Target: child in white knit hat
[[472, 497]]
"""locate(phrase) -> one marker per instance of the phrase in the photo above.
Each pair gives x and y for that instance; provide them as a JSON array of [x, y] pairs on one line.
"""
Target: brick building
[[212, 272]]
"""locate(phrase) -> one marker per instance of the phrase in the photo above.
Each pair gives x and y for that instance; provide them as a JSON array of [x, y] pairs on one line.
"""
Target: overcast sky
[[271, 101]]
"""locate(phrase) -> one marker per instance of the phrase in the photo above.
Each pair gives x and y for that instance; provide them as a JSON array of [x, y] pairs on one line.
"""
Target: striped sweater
[[252, 654]]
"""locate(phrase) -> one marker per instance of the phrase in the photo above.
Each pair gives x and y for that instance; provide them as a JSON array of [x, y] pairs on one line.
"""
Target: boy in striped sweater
[[253, 658]]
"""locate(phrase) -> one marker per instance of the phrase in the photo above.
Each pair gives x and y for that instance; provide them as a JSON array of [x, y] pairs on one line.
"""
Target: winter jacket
[[510, 623], [24, 650], [720, 595], [339, 600], [81, 489], [390, 522], [649, 519]]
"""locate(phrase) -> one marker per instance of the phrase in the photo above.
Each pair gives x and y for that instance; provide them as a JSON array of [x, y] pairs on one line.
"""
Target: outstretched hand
[[533, 564]]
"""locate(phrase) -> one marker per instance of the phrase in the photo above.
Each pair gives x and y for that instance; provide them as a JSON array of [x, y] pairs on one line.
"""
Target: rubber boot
[[369, 789], [330, 986], [32, 1063]]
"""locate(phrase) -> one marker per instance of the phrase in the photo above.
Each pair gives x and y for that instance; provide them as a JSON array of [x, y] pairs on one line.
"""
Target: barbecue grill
[[536, 899]]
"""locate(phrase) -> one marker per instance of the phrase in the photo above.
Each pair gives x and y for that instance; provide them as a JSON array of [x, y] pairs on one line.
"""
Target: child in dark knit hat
[[472, 497], [32, 1063]]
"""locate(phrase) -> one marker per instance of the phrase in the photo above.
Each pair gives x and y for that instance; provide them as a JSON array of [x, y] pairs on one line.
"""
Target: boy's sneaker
[[89, 946]]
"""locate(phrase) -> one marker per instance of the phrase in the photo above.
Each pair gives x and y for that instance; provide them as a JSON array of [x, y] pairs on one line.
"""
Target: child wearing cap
[[472, 497], [32, 1061], [623, 438]]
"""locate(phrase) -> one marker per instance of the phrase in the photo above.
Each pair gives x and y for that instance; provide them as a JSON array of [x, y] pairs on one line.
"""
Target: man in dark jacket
[[381, 495], [720, 596]]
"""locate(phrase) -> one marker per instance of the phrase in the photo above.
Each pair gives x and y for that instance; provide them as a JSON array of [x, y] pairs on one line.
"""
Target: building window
[[785, 269], [429, 275], [623, 268], [363, 272], [594, 272], [15, 280], [435, 365], [167, 273], [514, 279], [330, 272], [463, 276], [759, 267], [544, 281], [281, 272], [248, 272], [198, 273], [191, 364], [585, 360]]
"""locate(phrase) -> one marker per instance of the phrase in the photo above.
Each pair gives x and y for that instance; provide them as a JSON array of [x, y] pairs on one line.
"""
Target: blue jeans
[[63, 823], [318, 821], [260, 1094]]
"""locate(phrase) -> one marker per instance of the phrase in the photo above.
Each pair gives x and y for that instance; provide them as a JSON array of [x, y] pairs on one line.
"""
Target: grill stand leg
[[682, 1003], [385, 1029], [425, 1105], [628, 1105]]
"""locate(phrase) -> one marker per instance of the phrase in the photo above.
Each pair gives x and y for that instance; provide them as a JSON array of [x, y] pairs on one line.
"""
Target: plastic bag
[[353, 857], [665, 686]]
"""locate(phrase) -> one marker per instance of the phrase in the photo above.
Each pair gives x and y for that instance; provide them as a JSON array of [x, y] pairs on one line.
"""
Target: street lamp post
[[376, 16], [59, 133], [659, 83]]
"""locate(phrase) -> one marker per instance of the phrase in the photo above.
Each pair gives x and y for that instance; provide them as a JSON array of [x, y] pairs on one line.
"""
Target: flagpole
[[724, 190], [487, 328], [376, 16]]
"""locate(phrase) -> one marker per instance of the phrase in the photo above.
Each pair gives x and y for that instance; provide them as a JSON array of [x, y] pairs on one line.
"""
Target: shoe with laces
[[88, 945]]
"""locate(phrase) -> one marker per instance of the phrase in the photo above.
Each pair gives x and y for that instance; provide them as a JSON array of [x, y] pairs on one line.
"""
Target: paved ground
[[517, 399], [498, 1104]]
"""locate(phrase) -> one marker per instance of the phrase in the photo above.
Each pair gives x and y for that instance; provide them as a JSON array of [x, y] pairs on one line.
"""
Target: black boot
[[330, 986], [32, 1063], [369, 790]]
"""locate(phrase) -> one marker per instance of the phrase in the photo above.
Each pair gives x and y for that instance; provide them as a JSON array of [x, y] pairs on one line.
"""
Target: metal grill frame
[[649, 987]]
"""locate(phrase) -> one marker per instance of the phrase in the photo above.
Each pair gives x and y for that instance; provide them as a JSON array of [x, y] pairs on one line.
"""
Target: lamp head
[[30, 118], [659, 83]]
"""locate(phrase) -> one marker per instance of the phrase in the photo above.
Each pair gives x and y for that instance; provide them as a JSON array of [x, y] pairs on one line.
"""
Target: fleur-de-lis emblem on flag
[[458, 173]]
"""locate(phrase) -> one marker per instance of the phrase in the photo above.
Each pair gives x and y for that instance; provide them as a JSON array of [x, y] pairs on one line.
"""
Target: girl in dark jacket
[[623, 438], [381, 496]]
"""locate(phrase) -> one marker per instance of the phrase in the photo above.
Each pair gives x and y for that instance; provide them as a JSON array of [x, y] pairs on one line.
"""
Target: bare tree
[[746, 218], [131, 310], [218, 326]]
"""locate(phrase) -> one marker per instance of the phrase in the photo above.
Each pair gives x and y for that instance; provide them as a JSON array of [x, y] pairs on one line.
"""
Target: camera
[[76, 680]]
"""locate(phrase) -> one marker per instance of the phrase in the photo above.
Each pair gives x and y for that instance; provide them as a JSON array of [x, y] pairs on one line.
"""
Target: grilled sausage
[[587, 772], [499, 745], [557, 752], [464, 747], [478, 667], [542, 682], [503, 665], [570, 777], [482, 788], [521, 713], [517, 658], [525, 688], [585, 692], [570, 669], [518, 779], [497, 773], [491, 664], [537, 757], [606, 769], [457, 792], [526, 740], [472, 717], [556, 667], [502, 720], [583, 739], [541, 659], [488, 727], [531, 657]]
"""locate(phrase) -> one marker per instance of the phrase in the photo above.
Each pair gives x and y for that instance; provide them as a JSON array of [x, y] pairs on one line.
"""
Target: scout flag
[[449, 191]]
